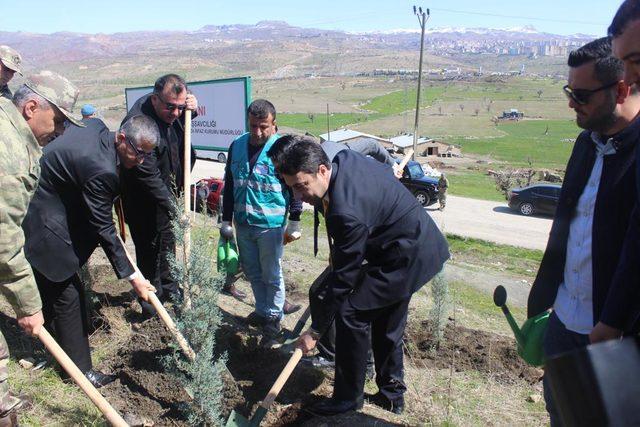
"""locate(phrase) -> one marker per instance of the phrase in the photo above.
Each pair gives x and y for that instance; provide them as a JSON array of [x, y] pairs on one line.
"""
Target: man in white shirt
[[595, 205]]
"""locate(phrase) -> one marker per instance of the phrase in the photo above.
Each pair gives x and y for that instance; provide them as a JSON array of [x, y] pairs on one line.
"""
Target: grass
[[318, 126], [475, 251], [544, 142], [475, 184], [397, 102]]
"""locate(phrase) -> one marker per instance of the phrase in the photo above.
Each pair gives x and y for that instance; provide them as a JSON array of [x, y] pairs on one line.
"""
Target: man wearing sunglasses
[[149, 188], [594, 209], [71, 214]]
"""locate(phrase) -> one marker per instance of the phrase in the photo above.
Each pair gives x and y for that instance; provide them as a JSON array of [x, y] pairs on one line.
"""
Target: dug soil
[[146, 395]]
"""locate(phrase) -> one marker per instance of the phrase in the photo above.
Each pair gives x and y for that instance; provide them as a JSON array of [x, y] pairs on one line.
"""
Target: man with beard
[[149, 188], [10, 61], [594, 209]]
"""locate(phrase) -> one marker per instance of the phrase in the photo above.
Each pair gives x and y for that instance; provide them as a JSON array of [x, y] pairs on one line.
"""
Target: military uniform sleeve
[[17, 283]]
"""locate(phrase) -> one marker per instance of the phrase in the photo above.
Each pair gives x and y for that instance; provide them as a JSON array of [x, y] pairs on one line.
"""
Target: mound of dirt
[[471, 350]]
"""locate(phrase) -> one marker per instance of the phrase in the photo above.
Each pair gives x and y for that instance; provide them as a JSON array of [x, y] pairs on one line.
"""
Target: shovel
[[74, 372], [238, 420], [528, 338], [162, 312]]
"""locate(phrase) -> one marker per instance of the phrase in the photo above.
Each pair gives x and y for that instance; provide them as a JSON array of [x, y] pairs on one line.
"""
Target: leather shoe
[[396, 406], [289, 308], [333, 406], [234, 292], [98, 379], [318, 361]]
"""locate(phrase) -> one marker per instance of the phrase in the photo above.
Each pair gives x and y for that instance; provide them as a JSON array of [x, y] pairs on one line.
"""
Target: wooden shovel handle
[[406, 158], [67, 364], [162, 312], [282, 379]]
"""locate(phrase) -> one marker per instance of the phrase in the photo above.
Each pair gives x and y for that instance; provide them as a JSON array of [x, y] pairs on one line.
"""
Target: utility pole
[[423, 16], [328, 130]]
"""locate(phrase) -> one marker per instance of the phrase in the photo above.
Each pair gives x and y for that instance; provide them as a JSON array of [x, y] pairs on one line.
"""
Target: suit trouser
[[558, 339], [386, 326], [154, 242], [65, 315]]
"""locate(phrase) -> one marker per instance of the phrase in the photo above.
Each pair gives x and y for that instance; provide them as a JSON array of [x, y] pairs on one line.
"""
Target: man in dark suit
[[403, 249], [594, 209], [149, 188], [71, 214]]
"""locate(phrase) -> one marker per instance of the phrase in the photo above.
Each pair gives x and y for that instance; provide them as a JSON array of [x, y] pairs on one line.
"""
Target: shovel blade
[[237, 420]]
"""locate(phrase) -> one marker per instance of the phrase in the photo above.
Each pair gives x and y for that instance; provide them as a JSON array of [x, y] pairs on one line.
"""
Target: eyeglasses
[[169, 106], [140, 155], [582, 96]]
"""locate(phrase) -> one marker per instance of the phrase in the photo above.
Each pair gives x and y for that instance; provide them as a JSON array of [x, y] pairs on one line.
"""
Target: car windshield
[[415, 170]]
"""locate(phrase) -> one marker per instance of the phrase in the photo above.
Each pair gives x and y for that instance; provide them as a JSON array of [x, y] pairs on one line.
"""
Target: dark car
[[424, 188], [535, 199], [208, 193]]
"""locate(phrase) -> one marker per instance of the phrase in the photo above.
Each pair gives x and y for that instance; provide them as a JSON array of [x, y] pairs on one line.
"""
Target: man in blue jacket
[[594, 208]]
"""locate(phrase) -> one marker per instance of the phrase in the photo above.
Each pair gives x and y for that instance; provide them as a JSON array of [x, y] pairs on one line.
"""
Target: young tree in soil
[[438, 314], [198, 322]]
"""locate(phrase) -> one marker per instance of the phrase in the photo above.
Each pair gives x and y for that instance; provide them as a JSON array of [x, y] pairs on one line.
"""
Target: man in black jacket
[[148, 188], [71, 214], [403, 249], [594, 209]]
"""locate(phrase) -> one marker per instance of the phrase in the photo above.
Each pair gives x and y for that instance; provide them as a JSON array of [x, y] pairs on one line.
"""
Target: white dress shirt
[[574, 301]]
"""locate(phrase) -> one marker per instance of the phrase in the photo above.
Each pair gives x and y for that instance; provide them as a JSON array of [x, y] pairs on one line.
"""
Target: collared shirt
[[574, 302]]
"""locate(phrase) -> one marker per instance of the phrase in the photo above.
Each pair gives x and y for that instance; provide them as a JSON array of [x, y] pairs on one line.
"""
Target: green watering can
[[529, 338], [228, 260]]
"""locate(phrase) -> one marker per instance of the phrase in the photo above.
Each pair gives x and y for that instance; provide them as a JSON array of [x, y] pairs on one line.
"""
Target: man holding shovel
[[148, 188], [71, 214], [38, 112], [594, 209], [403, 249]]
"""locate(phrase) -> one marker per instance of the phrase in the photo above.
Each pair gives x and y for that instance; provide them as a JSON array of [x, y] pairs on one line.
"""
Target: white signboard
[[222, 106]]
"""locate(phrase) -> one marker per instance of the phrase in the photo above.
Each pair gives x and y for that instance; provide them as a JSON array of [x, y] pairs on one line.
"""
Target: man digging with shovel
[[402, 246]]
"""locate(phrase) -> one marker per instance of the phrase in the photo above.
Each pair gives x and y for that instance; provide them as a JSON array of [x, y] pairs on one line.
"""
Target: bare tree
[[476, 112], [461, 107], [540, 92]]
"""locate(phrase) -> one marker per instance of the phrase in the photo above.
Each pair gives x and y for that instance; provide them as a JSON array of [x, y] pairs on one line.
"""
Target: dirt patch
[[470, 350]]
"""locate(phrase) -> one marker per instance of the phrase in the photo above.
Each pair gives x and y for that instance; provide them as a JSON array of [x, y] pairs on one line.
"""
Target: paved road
[[491, 221]]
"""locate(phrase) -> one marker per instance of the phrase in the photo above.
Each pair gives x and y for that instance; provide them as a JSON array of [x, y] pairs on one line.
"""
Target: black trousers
[[154, 241], [321, 315], [386, 326], [65, 315]]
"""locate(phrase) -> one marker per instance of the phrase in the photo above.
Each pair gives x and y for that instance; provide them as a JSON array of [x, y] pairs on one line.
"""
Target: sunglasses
[[582, 96], [169, 106]]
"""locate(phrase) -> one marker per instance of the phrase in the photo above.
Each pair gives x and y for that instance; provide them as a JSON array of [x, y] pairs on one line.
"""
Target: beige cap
[[57, 90], [10, 58]]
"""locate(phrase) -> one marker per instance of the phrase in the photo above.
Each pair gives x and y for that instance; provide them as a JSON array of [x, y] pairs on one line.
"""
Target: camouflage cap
[[57, 90], [10, 58]]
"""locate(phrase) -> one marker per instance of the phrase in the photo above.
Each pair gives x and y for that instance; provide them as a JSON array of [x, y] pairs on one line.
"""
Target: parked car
[[423, 187], [538, 198], [209, 194]]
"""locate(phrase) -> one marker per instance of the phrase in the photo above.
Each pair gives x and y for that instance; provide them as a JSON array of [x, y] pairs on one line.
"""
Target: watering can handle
[[282, 379]]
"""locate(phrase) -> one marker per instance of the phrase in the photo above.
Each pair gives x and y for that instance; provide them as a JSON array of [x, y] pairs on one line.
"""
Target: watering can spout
[[529, 338]]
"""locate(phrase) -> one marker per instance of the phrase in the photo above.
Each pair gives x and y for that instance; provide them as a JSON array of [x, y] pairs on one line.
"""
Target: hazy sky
[[555, 16]]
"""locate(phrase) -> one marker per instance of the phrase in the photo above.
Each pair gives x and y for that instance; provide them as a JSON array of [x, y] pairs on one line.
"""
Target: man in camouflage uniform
[[37, 114], [10, 61], [443, 185]]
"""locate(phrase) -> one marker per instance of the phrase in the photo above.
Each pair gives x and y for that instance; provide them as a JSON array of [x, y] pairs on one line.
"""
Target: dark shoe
[[255, 319], [396, 406], [234, 292], [98, 379], [270, 333], [333, 406], [319, 362], [289, 308]]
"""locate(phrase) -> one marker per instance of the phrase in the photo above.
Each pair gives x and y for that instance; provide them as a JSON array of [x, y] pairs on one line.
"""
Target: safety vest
[[259, 197]]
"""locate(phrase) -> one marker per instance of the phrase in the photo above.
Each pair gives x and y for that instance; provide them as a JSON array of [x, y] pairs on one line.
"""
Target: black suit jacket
[[71, 211], [147, 188], [372, 217], [614, 204]]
